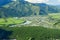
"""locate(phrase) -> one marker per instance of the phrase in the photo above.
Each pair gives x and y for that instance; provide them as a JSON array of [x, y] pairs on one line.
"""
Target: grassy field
[[11, 21], [55, 15], [56, 19], [33, 33]]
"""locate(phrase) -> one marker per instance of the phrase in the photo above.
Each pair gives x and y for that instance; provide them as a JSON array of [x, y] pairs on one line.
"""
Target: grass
[[38, 33], [11, 21], [55, 15]]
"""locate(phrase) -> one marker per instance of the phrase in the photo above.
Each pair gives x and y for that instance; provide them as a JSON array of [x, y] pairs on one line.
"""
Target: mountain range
[[23, 8]]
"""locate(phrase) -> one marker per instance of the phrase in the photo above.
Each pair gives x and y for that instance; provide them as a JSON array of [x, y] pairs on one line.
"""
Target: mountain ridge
[[24, 8]]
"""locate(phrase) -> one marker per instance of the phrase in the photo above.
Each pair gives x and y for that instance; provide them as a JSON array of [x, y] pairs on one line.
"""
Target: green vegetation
[[33, 33], [56, 19], [26, 9], [11, 21], [55, 15]]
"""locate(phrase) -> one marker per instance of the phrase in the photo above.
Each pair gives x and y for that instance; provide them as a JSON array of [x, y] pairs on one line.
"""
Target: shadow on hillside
[[4, 34]]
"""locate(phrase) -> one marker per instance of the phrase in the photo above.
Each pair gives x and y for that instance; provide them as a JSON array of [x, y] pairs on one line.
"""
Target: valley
[[46, 21], [22, 20]]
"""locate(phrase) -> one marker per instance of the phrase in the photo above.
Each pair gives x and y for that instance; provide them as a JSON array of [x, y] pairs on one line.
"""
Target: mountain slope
[[20, 9], [4, 2], [47, 8]]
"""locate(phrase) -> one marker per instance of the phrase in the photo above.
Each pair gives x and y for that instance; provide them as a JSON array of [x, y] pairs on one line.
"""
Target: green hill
[[19, 9], [23, 8]]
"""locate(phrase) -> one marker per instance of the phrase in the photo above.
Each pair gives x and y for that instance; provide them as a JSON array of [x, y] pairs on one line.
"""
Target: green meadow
[[11, 21], [55, 15]]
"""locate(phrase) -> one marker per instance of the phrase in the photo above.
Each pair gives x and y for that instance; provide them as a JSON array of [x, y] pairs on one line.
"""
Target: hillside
[[21, 20], [47, 8], [24, 8], [20, 9]]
